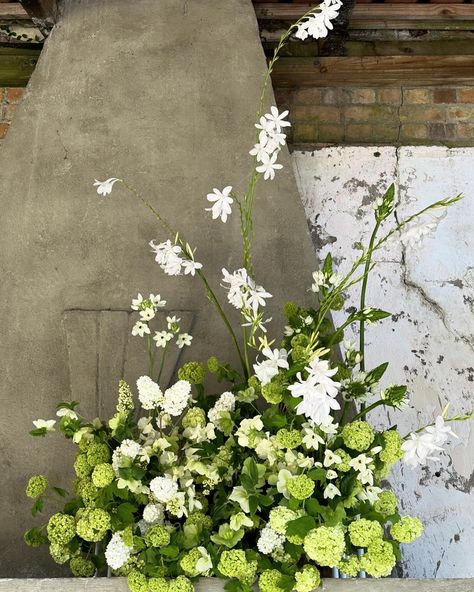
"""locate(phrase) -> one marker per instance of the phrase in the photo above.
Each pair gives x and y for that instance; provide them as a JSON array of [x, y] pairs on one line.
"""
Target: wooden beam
[[17, 65], [383, 16], [13, 11], [373, 71]]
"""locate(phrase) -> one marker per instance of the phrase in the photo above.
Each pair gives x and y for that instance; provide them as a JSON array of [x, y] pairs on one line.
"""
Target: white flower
[[136, 302], [184, 339], [413, 235], [176, 398], [222, 202], [149, 393], [237, 521], [204, 564], [237, 282], [45, 423], [419, 448], [318, 24], [105, 187], [190, 266], [147, 314], [366, 477], [440, 431], [331, 458], [311, 438], [321, 373], [140, 328], [266, 370], [247, 431], [370, 494], [226, 402], [267, 449], [331, 491], [173, 323], [65, 412], [330, 474], [269, 166], [161, 338], [283, 476], [117, 552], [329, 428], [130, 448], [361, 462], [259, 150], [240, 496], [167, 256], [269, 540], [163, 488], [255, 296], [177, 505], [276, 119]]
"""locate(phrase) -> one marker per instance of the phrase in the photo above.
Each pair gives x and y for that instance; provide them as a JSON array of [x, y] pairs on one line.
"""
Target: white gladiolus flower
[[161, 338], [269, 540], [413, 235], [149, 393], [163, 488], [168, 257], [331, 491], [419, 448], [105, 187], [221, 203], [318, 24], [266, 370], [140, 328], [65, 412], [269, 166], [176, 398], [237, 282], [255, 296], [440, 431], [130, 448], [184, 339], [190, 266], [45, 423], [117, 552]]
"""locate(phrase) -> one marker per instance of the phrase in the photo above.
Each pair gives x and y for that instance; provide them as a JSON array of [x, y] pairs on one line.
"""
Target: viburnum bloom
[[149, 393], [269, 166], [105, 187], [163, 488], [117, 552], [222, 202], [176, 398], [267, 369]]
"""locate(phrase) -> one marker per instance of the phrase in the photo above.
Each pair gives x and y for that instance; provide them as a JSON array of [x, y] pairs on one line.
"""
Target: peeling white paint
[[429, 341]]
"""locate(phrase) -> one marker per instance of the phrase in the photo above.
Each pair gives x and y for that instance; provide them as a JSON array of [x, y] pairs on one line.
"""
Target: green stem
[[162, 364], [246, 350], [150, 356], [366, 410]]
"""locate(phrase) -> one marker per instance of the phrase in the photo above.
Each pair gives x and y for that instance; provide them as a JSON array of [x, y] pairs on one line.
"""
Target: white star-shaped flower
[[269, 166], [222, 202], [105, 187]]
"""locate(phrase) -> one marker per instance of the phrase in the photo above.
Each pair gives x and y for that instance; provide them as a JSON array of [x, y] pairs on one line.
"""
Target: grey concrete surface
[[164, 94], [216, 585]]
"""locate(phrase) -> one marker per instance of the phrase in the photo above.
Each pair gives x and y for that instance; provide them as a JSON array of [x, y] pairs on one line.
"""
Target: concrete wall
[[429, 340]]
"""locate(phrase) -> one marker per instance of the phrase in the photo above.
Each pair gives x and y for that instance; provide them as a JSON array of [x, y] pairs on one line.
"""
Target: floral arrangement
[[276, 477]]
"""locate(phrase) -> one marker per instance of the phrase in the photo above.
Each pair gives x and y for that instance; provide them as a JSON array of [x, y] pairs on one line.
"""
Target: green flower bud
[[37, 485]]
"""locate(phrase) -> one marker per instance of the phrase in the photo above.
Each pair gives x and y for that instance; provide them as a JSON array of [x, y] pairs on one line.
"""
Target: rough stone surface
[[163, 94], [216, 585], [430, 337]]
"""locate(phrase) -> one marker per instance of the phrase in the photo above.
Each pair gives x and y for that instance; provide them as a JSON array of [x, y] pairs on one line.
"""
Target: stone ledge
[[215, 585]]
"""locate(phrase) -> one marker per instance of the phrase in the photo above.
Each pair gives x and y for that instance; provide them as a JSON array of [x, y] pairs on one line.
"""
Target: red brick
[[461, 113], [414, 131], [3, 130], [308, 96], [417, 95], [444, 95], [391, 96], [14, 95], [465, 95]]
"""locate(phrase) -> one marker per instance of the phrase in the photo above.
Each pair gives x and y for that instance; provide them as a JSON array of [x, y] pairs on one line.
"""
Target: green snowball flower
[[344, 465], [290, 309], [37, 485], [379, 560], [59, 553], [125, 399], [407, 529], [325, 545], [88, 493], [61, 529], [93, 524], [82, 568], [358, 435], [300, 487], [193, 372], [386, 504], [201, 520], [307, 579], [158, 585], [194, 417], [213, 365], [272, 392], [234, 564], [289, 438], [98, 453], [270, 581], [279, 518], [299, 353], [392, 451], [81, 466], [103, 475], [362, 532], [188, 562], [157, 536], [180, 584], [137, 582], [350, 566]]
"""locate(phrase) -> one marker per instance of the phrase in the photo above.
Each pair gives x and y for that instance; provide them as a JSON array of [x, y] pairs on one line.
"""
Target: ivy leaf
[[300, 526]]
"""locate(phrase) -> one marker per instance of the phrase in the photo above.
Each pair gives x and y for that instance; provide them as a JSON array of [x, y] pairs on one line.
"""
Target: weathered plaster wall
[[429, 340]]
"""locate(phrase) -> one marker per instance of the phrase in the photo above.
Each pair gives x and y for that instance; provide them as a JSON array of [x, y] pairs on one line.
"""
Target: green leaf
[[37, 506], [253, 504], [327, 265], [250, 469], [39, 432], [300, 526], [265, 500], [314, 508], [376, 374], [125, 512], [317, 474], [273, 418], [286, 583], [66, 405], [336, 516], [171, 551], [247, 482], [60, 491], [295, 551]]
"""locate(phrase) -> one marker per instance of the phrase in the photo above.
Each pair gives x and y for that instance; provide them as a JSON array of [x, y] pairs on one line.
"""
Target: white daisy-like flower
[[140, 328], [136, 302], [331, 491], [163, 488], [48, 424], [157, 301], [105, 187], [117, 552], [184, 339], [269, 540], [149, 393], [147, 314], [222, 202], [269, 166], [276, 119], [161, 338]]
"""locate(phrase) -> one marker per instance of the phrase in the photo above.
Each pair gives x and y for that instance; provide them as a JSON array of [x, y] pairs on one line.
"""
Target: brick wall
[[396, 116], [9, 98]]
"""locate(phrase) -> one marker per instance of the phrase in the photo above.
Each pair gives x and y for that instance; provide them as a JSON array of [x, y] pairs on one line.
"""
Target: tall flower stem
[[150, 356], [209, 291], [162, 363]]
